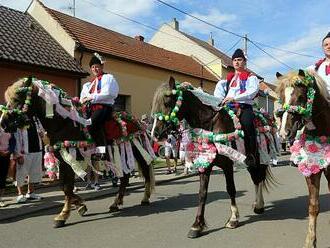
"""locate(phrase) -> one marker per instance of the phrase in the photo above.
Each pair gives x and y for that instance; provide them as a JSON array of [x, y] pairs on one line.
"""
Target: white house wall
[[172, 40], [38, 12]]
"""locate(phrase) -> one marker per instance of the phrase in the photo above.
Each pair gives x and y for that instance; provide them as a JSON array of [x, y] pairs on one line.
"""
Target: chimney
[[139, 38], [175, 24], [211, 40]]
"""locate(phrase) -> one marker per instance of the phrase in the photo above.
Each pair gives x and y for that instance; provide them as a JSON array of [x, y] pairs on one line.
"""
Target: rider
[[99, 95], [239, 90], [322, 67]]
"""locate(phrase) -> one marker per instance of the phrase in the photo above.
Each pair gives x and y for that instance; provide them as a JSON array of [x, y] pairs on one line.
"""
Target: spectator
[[5, 150], [29, 147], [171, 148]]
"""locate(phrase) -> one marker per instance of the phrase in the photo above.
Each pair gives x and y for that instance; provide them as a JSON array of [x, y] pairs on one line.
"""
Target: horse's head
[[165, 107], [296, 91], [19, 100]]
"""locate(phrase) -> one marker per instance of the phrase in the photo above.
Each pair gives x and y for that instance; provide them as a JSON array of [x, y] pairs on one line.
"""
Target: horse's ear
[[301, 73], [278, 75], [171, 83]]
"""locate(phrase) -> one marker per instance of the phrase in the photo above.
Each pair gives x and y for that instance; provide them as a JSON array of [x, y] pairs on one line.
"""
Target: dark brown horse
[[24, 96], [199, 115], [306, 105]]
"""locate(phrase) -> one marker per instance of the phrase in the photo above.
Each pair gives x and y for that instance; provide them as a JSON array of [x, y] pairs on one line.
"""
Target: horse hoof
[[82, 210], [113, 209], [232, 224], [194, 233], [259, 210], [59, 223], [145, 203]]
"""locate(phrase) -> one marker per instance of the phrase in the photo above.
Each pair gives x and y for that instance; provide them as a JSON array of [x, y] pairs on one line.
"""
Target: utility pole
[[73, 8], [245, 40]]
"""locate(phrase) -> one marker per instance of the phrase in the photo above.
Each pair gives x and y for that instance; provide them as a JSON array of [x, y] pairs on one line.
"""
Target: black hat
[[95, 60], [238, 54], [327, 36]]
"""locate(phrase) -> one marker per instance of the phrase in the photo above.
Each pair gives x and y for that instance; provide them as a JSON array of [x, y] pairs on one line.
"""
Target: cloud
[[191, 25], [309, 44]]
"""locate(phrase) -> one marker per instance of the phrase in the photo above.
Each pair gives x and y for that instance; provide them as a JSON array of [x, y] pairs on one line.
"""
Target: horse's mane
[[158, 102], [290, 79], [11, 92]]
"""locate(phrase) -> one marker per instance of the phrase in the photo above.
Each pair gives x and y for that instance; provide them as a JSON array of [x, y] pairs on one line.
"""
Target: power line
[[199, 19], [230, 32], [139, 23], [287, 51], [279, 61], [228, 50]]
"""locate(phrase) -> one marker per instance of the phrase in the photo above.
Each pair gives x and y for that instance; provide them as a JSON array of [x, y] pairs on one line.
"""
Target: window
[[121, 103]]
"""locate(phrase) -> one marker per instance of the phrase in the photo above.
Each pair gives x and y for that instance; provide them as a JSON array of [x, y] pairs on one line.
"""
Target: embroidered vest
[[98, 83], [243, 77]]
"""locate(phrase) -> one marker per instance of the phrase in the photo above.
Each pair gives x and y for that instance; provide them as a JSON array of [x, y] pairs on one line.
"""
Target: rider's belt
[[237, 105]]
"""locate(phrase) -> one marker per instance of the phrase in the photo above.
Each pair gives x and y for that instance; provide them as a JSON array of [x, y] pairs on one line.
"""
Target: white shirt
[[322, 74], [252, 88], [108, 92]]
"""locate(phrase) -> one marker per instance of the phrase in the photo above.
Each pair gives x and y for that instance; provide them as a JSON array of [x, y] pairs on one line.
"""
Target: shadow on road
[[294, 208]]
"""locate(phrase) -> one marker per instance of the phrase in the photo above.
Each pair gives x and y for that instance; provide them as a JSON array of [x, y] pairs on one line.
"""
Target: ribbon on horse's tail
[[113, 164], [148, 146], [78, 167], [117, 160], [146, 156]]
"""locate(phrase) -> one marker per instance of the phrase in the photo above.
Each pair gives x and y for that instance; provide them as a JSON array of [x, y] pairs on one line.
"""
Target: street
[[165, 223]]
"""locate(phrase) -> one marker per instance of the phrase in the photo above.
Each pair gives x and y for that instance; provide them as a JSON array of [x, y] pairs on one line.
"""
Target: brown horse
[[30, 97], [198, 115], [306, 105]]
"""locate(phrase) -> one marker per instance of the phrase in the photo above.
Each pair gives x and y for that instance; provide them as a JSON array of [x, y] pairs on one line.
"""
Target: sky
[[297, 26]]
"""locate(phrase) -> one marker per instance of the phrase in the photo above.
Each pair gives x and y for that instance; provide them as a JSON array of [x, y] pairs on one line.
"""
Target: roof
[[225, 59], [24, 41], [95, 38]]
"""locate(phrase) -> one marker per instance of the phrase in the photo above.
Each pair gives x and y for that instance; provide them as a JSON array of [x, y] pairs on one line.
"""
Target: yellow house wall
[[140, 81]]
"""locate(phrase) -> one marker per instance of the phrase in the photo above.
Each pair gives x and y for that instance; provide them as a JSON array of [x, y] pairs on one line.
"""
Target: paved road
[[166, 221]]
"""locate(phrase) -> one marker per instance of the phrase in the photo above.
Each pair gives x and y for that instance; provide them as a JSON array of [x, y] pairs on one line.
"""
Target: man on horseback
[[322, 67], [238, 91], [99, 95]]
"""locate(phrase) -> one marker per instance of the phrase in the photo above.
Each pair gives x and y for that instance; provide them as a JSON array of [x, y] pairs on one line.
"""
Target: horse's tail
[[270, 180]]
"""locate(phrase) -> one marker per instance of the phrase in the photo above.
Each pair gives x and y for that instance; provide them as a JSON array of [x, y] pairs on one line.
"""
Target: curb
[[99, 194]]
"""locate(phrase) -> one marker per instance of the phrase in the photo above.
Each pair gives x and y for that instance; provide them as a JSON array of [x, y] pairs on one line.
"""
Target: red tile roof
[[24, 41], [95, 38]]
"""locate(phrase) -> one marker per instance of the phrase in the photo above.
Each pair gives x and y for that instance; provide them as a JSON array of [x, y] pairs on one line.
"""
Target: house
[[170, 37], [27, 49], [139, 67]]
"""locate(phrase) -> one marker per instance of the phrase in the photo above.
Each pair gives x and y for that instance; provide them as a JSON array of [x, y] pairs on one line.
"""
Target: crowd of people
[[22, 151]]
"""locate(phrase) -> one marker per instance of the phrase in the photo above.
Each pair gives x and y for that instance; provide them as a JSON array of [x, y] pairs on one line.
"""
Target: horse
[[305, 115], [172, 103], [28, 98]]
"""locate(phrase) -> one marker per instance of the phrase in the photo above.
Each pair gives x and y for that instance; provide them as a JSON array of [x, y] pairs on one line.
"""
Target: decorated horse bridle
[[172, 119], [305, 111]]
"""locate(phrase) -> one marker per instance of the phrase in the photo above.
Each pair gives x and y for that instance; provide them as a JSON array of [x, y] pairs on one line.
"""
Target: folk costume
[[103, 91], [243, 86], [322, 67]]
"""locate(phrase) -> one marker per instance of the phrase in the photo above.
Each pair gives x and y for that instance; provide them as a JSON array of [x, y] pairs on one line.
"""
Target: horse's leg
[[118, 202], [79, 203], [147, 173], [259, 204], [199, 224], [258, 175], [327, 175], [227, 166], [66, 179], [313, 183]]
